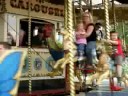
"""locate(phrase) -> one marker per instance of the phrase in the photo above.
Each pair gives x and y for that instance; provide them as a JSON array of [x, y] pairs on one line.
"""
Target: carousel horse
[[62, 60], [125, 72], [65, 60], [55, 52], [101, 69], [10, 71], [61, 63], [105, 68]]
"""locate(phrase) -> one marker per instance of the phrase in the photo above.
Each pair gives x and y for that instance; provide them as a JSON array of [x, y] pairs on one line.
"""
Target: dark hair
[[98, 25], [111, 32], [5, 45], [40, 30]]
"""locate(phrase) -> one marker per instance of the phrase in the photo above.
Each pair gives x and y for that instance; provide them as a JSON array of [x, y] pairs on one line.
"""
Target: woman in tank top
[[91, 39]]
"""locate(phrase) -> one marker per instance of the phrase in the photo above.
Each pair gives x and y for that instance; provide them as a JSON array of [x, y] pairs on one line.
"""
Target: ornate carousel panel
[[42, 65]]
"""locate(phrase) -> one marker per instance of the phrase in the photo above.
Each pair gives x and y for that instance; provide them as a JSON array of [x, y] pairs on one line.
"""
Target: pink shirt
[[80, 39]]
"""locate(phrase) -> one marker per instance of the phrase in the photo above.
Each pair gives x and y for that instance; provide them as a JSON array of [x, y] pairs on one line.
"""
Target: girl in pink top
[[80, 41]]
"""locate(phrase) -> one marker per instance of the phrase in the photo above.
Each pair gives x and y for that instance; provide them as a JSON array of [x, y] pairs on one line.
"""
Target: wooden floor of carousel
[[104, 90]]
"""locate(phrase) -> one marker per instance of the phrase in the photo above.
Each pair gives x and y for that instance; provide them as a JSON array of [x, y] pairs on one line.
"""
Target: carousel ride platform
[[104, 90]]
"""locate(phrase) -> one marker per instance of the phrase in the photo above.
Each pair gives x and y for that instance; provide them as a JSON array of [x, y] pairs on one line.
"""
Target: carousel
[[31, 69]]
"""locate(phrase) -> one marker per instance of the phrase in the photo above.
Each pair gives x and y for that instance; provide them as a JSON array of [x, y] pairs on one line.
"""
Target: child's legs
[[118, 63], [85, 50], [56, 54], [80, 49], [94, 55]]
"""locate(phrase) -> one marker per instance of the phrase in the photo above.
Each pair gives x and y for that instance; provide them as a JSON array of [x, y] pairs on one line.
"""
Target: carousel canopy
[[123, 1], [121, 7], [61, 2]]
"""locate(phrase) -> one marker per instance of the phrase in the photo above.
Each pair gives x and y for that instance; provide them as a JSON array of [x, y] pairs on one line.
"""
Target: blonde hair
[[79, 23], [90, 16]]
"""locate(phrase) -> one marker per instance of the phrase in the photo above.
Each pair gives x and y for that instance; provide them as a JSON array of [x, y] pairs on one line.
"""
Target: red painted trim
[[44, 92]]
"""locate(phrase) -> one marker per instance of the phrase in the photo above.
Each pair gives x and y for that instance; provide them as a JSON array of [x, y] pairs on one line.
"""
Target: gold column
[[81, 10], [91, 7], [106, 18], [114, 14], [65, 15], [123, 35], [74, 14], [29, 46], [65, 29], [71, 56]]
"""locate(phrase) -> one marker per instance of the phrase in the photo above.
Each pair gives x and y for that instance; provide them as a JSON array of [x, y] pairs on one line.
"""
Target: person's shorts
[[118, 59]]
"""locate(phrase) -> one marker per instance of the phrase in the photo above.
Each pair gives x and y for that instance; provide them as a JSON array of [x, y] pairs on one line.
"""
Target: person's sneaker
[[89, 67], [96, 87], [116, 88], [95, 61], [88, 89], [80, 58]]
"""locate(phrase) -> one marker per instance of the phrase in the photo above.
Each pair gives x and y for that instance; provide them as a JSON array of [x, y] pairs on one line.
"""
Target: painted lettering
[[12, 3], [61, 13], [44, 9], [36, 7], [51, 11], [21, 4], [56, 12]]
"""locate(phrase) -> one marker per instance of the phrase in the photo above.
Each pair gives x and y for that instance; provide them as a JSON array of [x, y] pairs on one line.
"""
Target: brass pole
[[123, 35], [91, 9], [74, 14], [71, 56], [29, 47], [107, 27], [81, 10], [114, 14], [65, 14]]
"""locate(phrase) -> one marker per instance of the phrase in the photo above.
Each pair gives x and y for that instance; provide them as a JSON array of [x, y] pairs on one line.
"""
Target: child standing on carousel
[[118, 56], [80, 40]]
